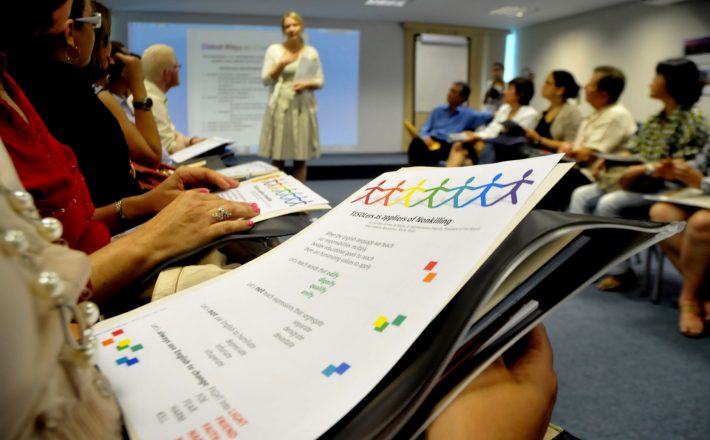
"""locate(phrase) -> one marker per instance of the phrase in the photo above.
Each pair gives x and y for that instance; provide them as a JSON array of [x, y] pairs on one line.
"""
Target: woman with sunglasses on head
[[48, 169], [53, 72]]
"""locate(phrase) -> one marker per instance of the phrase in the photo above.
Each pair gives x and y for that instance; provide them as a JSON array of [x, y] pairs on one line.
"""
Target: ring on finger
[[221, 214]]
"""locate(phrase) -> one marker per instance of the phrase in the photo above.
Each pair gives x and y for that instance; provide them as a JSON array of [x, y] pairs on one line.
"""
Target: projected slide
[[222, 94]]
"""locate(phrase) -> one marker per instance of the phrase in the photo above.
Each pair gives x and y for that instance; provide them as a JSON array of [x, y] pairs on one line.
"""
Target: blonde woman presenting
[[293, 71]]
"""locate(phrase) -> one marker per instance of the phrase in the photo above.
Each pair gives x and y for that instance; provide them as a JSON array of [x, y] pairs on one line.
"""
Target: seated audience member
[[516, 98], [126, 71], [138, 124], [560, 122], [495, 86], [677, 132], [432, 145], [48, 170], [162, 72], [689, 250], [610, 126], [606, 130], [51, 70]]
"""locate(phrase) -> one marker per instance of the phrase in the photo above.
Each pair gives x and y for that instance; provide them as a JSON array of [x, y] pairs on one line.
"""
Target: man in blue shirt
[[432, 145]]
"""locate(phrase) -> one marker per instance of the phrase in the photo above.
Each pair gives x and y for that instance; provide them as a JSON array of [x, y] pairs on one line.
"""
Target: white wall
[[632, 36], [381, 86]]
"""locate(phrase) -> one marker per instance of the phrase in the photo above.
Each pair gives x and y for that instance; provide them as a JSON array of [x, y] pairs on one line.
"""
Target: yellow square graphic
[[381, 320]]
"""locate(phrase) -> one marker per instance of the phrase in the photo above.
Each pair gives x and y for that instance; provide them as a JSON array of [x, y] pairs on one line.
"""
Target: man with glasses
[[162, 72]]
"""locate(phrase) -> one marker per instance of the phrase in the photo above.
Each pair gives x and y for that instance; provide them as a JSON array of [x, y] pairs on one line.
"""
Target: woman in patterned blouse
[[678, 132]]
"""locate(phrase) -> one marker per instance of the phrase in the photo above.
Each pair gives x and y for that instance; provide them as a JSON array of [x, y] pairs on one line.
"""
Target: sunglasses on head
[[94, 20]]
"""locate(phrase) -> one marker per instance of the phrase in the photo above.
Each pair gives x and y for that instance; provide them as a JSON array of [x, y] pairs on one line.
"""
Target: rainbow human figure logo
[[122, 344], [290, 196], [441, 194]]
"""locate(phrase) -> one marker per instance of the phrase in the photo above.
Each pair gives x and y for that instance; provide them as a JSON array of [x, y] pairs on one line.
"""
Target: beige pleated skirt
[[290, 128]]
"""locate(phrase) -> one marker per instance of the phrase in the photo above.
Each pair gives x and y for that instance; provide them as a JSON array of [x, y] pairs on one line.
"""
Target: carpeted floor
[[624, 370]]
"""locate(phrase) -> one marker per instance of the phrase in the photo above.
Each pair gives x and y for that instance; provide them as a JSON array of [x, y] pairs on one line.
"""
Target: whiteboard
[[439, 62]]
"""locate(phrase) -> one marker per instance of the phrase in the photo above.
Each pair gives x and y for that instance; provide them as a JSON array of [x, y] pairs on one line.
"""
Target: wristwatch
[[146, 104]]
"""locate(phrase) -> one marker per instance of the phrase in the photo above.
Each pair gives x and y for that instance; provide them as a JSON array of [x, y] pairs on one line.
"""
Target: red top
[[49, 172]]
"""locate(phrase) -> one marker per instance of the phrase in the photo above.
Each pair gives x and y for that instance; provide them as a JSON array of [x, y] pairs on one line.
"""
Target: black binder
[[449, 350]]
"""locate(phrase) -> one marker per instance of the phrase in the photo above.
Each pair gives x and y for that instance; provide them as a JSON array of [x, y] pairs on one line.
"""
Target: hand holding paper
[[521, 389], [276, 194]]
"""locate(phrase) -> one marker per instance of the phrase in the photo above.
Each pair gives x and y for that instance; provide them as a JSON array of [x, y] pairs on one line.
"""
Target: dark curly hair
[[683, 80]]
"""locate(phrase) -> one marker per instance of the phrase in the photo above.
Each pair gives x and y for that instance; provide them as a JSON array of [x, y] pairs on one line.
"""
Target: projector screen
[[221, 93]]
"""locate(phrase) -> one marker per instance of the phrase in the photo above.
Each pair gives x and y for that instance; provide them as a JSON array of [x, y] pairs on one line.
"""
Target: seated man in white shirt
[[611, 125], [606, 130], [162, 72]]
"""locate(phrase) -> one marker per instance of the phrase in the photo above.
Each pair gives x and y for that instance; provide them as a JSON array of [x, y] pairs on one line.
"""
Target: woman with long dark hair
[[560, 122]]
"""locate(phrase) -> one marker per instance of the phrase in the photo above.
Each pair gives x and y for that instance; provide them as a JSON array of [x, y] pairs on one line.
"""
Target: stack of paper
[[276, 194], [248, 170]]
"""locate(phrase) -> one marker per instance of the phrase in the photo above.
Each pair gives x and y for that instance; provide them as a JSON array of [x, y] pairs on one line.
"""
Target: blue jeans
[[590, 199]]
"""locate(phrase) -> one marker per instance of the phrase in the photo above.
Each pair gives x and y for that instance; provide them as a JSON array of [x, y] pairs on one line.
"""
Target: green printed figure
[[432, 194]]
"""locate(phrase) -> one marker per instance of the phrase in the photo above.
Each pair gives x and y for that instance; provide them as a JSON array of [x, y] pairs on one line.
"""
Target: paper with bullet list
[[286, 345]]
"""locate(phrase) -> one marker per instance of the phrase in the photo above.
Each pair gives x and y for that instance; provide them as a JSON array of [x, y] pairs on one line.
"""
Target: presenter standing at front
[[293, 71]]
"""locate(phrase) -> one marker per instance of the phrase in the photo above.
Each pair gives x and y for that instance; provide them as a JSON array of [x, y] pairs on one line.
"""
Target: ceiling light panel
[[387, 3], [512, 11]]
